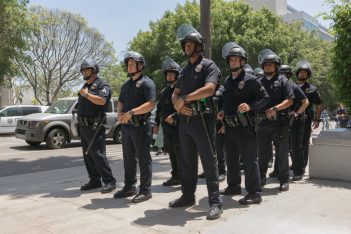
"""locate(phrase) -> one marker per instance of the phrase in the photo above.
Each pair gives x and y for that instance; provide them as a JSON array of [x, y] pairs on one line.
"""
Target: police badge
[[138, 83], [198, 68], [93, 87], [276, 83], [241, 84]]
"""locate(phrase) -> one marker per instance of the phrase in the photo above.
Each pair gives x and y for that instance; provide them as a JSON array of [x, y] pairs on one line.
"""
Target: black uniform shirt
[[88, 109], [312, 94], [195, 76], [243, 89], [299, 96], [278, 88], [165, 106], [137, 92]]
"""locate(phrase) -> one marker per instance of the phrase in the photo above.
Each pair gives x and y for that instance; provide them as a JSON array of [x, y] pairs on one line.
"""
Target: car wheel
[[33, 143], [117, 136], [56, 139]]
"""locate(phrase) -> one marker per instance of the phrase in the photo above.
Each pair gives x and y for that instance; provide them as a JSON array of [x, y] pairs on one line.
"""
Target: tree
[[60, 43], [340, 73], [14, 25], [235, 21], [115, 75]]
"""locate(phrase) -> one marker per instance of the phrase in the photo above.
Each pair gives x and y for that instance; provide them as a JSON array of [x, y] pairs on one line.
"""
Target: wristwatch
[[274, 108], [183, 98], [131, 112]]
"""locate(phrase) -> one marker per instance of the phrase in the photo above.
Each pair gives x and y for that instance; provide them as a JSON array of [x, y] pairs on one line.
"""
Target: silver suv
[[10, 114], [58, 125]]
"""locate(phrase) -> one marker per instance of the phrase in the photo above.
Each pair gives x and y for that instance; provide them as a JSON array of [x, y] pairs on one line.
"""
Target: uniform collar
[[141, 76], [240, 76], [94, 81], [197, 61]]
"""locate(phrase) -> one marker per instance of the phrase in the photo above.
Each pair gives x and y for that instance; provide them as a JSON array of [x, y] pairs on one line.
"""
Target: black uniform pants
[[96, 161], [136, 148], [306, 141], [220, 153], [278, 132], [242, 141], [172, 146], [193, 141], [297, 150]]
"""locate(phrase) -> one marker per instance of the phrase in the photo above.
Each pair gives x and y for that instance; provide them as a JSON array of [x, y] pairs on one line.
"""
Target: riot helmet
[[187, 33], [285, 70], [138, 58], [303, 65]]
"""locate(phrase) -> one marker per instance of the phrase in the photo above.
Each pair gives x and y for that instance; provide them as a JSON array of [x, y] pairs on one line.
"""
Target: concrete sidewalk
[[51, 202]]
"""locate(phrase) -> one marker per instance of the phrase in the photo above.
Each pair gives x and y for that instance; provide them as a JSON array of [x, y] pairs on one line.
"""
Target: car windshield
[[60, 107]]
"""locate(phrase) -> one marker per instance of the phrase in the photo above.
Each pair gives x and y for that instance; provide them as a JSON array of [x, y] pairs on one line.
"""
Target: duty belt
[[138, 120], [263, 118], [239, 120], [200, 106], [292, 118], [88, 121]]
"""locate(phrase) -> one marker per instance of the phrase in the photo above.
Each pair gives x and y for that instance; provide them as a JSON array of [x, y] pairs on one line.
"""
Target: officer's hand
[[186, 111], [125, 118], [155, 130], [221, 130], [244, 107], [83, 92], [170, 119], [178, 103], [315, 124], [270, 113], [220, 115]]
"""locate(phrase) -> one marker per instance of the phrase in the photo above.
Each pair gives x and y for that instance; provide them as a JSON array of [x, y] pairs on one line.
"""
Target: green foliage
[[236, 21], [15, 25], [115, 75], [57, 47], [341, 57]]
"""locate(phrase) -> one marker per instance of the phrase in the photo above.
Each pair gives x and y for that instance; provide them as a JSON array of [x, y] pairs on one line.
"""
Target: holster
[[239, 120], [139, 120]]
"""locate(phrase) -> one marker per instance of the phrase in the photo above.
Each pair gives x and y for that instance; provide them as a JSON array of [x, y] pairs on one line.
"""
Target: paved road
[[17, 157]]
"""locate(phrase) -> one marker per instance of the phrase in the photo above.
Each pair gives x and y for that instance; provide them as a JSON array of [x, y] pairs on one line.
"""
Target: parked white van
[[10, 114]]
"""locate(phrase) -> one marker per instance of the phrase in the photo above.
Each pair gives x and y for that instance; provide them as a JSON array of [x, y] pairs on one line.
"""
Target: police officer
[[197, 81], [92, 105], [167, 116], [303, 73], [258, 72], [248, 69], [243, 95], [296, 119], [136, 100], [272, 122], [218, 105]]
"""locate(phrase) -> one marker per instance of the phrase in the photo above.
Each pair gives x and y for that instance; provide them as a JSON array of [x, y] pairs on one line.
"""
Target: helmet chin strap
[[192, 53], [131, 74], [302, 79], [87, 77]]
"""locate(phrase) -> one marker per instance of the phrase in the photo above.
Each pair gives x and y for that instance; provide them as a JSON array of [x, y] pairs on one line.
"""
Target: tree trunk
[[205, 21]]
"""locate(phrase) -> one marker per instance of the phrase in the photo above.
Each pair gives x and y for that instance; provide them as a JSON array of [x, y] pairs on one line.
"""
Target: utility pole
[[205, 28]]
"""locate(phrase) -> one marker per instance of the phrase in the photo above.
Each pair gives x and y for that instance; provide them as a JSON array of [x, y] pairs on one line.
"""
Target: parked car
[[58, 125], [10, 114]]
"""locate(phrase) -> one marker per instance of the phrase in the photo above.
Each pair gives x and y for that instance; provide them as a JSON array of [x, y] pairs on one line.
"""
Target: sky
[[120, 21]]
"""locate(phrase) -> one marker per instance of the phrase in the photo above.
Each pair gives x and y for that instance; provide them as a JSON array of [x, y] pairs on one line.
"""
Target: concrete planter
[[330, 155]]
